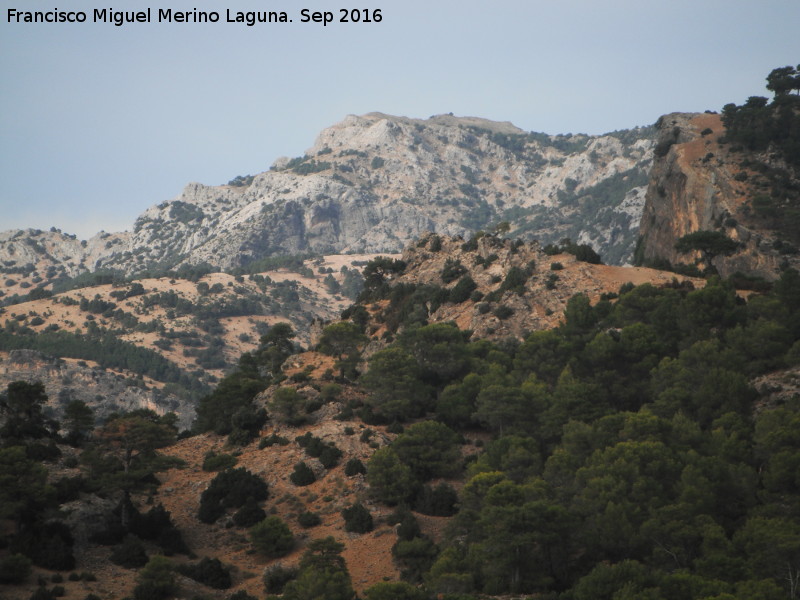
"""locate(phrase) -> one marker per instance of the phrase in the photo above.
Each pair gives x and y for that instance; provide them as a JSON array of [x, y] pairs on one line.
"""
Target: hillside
[[634, 428], [370, 184], [160, 343]]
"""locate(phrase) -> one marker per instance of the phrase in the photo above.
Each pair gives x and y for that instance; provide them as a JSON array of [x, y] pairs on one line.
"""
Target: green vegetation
[[229, 408], [357, 519], [231, 488], [626, 448], [711, 243], [302, 475], [760, 126], [322, 573], [272, 537], [208, 571], [103, 347]]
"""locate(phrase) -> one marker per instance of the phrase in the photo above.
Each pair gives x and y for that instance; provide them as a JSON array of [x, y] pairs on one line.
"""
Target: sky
[[99, 122]]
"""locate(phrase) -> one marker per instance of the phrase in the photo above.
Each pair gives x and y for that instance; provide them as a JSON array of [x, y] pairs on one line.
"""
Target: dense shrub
[[357, 519], [230, 489], [272, 537], [276, 576], [218, 462], [208, 571], [156, 581], [302, 475], [308, 519], [130, 553], [249, 514], [353, 467]]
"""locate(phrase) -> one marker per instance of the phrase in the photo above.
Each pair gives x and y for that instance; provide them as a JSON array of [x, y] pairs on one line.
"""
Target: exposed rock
[[694, 187], [373, 183], [104, 391]]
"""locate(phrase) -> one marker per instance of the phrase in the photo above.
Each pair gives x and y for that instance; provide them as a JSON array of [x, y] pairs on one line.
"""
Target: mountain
[[372, 183]]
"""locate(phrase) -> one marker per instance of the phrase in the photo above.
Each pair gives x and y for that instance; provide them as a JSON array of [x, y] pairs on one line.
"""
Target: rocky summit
[[374, 183]]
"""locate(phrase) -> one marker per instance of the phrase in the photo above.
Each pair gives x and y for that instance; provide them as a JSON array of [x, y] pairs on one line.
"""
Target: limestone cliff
[[700, 184]]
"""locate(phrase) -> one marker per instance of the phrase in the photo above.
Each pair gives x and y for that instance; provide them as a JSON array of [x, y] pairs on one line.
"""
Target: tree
[[783, 80], [231, 488], [302, 475], [393, 380], [429, 448], [440, 350], [772, 547], [23, 486], [323, 574], [78, 420], [125, 454], [399, 590], [272, 537], [286, 406], [21, 406], [215, 411], [342, 341], [156, 581], [276, 347], [389, 479], [14, 568]]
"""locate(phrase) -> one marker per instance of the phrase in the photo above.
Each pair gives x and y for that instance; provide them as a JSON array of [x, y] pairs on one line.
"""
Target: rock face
[[373, 183], [104, 391], [698, 184]]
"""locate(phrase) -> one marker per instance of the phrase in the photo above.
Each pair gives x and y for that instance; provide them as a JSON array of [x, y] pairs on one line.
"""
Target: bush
[[556, 266], [302, 475], [218, 462], [241, 595], [308, 519], [330, 392], [357, 519], [130, 553], [208, 571], [462, 290], [353, 467], [250, 514], [272, 537], [503, 312], [277, 576], [156, 581], [15, 568], [330, 457], [452, 270], [399, 590], [42, 593], [273, 439], [230, 489]]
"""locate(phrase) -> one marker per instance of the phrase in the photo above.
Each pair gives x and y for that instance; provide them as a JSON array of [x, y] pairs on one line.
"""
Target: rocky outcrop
[[700, 184], [104, 391], [373, 183]]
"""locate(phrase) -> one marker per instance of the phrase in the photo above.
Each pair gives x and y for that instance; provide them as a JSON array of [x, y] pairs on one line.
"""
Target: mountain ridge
[[372, 183]]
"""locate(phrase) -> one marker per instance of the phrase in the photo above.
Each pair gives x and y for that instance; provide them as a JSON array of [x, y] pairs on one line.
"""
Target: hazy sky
[[98, 122]]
